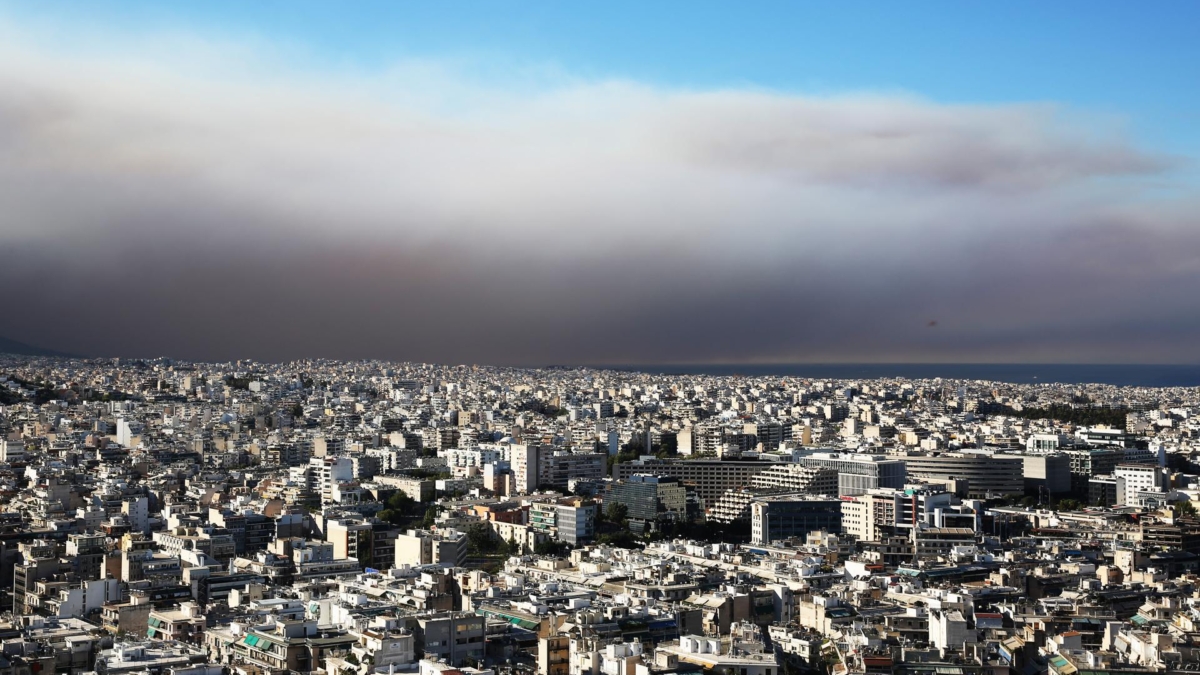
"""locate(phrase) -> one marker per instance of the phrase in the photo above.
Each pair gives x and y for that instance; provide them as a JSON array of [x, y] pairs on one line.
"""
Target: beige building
[[127, 617], [423, 547]]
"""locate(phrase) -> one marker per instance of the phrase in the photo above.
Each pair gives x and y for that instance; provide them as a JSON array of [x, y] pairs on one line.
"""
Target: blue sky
[[1137, 60]]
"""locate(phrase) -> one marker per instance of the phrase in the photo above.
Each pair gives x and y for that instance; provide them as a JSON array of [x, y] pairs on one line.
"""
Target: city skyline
[[553, 186]]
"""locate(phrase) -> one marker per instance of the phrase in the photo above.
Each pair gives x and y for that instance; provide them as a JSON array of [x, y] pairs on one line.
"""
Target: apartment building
[[454, 637], [423, 547], [559, 468], [571, 520]]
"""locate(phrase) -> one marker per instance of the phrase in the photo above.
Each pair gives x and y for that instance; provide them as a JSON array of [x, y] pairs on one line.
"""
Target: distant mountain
[[8, 346]]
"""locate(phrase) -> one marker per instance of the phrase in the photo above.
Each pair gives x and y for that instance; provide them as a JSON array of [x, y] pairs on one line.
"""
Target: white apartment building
[[128, 431], [524, 461], [1135, 478], [325, 472], [422, 547]]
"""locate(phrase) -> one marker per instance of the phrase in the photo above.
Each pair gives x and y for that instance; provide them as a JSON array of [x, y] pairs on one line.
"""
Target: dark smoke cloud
[[153, 207]]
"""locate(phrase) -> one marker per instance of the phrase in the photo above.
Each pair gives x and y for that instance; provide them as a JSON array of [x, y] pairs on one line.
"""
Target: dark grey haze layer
[[196, 214]]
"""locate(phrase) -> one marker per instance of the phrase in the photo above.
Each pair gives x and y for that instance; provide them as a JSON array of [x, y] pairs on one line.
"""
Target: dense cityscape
[[349, 518], [877, 322]]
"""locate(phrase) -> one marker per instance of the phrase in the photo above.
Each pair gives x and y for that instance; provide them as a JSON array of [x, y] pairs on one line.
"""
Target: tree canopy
[[1078, 415]]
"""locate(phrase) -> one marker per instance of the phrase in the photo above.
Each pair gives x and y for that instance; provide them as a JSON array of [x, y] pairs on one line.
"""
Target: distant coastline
[[1125, 375]]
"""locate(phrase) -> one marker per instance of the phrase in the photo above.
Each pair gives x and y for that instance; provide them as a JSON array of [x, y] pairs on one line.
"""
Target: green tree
[[616, 513], [1184, 508], [1078, 415], [554, 548], [1069, 504], [431, 515], [235, 382], [619, 538], [480, 539], [401, 502], [507, 549]]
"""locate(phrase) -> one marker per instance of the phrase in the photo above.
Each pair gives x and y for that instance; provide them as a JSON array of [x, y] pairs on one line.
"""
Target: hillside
[[8, 346]]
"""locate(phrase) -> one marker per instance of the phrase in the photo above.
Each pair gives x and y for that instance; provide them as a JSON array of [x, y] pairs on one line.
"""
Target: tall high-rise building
[[525, 466]]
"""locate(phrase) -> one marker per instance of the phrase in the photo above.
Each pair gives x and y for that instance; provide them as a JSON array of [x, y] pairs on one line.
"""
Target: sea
[[1122, 375]]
